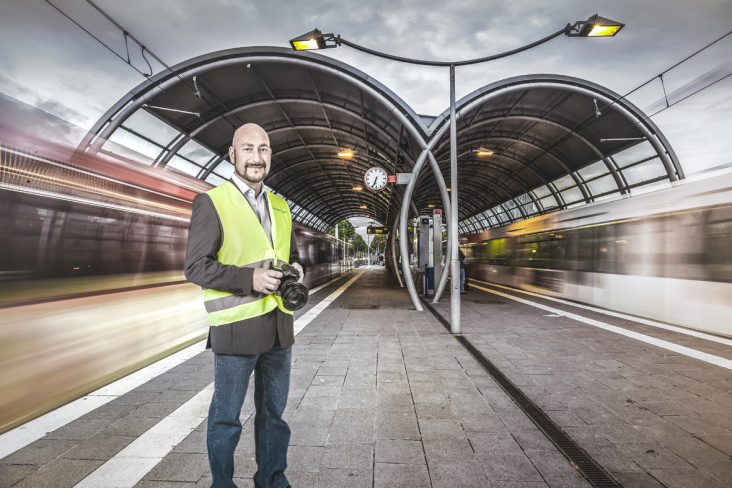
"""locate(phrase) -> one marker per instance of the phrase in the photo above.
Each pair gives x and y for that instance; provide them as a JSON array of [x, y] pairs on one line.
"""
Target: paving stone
[[59, 473], [433, 411], [446, 449], [508, 467], [397, 426], [722, 441], [41, 452], [304, 458], [685, 478], [101, 446], [130, 426], [398, 451], [574, 481], [297, 478], [195, 442], [551, 464], [432, 428], [401, 475], [466, 473], [495, 442], [176, 466], [355, 456], [308, 435], [313, 416], [636, 480], [339, 478], [12, 473]]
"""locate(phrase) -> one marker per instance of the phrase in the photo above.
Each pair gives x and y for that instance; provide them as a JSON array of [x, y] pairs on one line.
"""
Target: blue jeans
[[462, 280], [271, 432]]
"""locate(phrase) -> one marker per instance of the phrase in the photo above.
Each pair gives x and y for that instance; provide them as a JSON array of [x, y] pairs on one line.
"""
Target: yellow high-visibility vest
[[245, 244]]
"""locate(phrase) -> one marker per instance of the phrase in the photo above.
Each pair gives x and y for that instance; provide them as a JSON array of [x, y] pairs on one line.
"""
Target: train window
[[596, 249], [544, 250], [718, 244], [497, 252]]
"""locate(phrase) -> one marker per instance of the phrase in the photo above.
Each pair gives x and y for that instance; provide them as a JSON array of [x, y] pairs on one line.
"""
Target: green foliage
[[346, 231], [359, 245]]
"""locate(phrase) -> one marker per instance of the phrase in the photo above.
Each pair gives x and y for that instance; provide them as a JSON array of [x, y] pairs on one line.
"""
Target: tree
[[346, 231], [359, 245]]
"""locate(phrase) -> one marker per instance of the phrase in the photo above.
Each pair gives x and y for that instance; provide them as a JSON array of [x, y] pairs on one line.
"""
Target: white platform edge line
[[132, 463], [686, 351], [640, 320]]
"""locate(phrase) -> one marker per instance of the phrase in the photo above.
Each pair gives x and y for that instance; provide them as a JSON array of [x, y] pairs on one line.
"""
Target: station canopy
[[556, 142]]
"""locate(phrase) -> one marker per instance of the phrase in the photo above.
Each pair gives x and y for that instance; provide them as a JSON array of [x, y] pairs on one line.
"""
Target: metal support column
[[452, 234]]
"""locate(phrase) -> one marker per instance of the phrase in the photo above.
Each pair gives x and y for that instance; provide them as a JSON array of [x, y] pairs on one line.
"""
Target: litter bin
[[430, 275]]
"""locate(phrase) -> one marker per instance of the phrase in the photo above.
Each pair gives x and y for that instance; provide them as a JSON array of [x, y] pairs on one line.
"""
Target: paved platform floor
[[384, 396]]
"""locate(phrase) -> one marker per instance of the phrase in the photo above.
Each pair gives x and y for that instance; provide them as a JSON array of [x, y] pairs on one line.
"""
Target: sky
[[50, 63]]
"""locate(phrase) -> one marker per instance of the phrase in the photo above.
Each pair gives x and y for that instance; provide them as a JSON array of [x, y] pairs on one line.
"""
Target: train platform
[[384, 396]]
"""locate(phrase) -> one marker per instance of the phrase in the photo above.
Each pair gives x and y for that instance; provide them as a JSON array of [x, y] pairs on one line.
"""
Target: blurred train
[[91, 276], [664, 255]]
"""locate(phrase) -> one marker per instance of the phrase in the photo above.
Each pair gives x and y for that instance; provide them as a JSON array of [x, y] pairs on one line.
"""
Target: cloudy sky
[[49, 62]]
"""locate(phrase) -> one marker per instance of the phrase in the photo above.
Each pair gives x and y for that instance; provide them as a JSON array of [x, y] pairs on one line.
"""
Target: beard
[[246, 175]]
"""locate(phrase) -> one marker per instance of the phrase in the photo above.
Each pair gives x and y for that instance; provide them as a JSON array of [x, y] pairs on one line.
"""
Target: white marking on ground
[[640, 320], [131, 464], [686, 351], [145, 452]]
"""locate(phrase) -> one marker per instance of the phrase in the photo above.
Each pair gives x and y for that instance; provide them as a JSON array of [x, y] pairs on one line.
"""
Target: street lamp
[[595, 26]]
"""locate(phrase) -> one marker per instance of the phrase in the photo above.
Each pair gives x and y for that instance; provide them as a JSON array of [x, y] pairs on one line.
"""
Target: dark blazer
[[250, 336]]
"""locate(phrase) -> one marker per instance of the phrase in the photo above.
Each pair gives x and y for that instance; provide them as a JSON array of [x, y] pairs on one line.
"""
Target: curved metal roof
[[546, 132]]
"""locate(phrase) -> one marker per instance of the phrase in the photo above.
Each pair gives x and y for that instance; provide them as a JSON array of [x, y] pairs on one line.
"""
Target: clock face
[[375, 178]]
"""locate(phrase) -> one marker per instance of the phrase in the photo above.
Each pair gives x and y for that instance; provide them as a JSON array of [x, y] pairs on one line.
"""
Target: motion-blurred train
[[91, 276], [664, 255]]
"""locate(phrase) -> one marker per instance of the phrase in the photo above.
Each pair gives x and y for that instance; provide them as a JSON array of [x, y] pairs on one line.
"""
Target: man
[[237, 230]]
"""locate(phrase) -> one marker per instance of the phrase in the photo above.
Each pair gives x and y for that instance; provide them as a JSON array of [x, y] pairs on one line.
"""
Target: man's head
[[251, 155]]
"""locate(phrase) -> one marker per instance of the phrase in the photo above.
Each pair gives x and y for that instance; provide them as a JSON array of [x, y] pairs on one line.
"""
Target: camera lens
[[294, 295]]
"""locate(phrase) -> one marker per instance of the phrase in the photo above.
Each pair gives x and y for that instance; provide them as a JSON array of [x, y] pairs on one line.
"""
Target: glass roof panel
[[176, 162], [196, 153], [563, 183], [131, 141], [593, 171], [151, 127], [225, 169], [645, 171], [215, 179]]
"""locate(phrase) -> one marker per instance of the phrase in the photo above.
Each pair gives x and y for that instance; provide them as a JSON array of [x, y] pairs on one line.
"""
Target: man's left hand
[[300, 271]]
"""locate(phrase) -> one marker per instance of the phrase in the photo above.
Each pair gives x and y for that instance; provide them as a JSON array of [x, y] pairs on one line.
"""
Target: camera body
[[294, 295]]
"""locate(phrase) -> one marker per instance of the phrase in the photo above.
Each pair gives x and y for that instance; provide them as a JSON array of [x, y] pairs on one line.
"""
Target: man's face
[[251, 154]]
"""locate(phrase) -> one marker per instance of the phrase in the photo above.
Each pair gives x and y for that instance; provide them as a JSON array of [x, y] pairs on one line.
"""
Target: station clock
[[375, 178]]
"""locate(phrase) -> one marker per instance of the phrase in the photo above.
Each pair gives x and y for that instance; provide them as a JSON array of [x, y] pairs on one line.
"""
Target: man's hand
[[300, 271], [266, 280]]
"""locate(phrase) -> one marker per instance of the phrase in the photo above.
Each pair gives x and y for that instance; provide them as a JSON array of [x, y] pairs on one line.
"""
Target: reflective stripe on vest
[[241, 225]]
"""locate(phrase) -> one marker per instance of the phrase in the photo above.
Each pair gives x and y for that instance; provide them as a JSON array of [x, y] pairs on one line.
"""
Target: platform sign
[[437, 211], [379, 231]]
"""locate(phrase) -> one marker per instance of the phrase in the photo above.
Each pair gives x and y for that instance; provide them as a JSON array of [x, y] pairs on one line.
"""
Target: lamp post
[[595, 26]]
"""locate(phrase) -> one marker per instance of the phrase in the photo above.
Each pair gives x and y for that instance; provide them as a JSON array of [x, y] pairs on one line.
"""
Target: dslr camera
[[294, 295]]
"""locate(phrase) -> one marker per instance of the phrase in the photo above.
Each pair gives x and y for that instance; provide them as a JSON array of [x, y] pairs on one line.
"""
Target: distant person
[[250, 328], [462, 270]]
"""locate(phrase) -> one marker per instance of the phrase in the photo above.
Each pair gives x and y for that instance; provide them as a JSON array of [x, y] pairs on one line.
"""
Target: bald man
[[237, 231]]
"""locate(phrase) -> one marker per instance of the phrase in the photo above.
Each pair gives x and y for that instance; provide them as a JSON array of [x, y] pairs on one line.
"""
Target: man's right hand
[[266, 280]]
